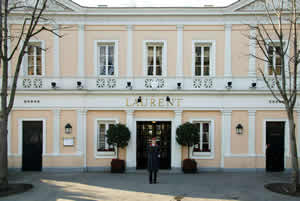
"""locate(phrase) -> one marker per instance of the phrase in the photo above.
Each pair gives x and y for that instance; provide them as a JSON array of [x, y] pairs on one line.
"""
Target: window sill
[[202, 155], [105, 154]]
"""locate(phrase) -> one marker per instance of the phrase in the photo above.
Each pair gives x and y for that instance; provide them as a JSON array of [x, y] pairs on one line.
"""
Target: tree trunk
[[293, 148], [188, 152], [3, 153]]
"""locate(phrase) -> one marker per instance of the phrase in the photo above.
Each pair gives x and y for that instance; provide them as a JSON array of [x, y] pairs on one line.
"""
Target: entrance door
[[32, 145], [275, 146], [162, 132]]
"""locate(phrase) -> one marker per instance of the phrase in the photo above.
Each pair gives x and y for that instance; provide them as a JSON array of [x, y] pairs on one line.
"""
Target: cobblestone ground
[[135, 187]]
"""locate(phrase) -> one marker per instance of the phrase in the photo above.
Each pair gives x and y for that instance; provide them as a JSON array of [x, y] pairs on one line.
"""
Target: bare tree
[[276, 39], [32, 15]]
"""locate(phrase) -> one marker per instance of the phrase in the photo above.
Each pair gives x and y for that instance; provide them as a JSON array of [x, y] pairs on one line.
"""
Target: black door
[[275, 146], [32, 145], [162, 132]]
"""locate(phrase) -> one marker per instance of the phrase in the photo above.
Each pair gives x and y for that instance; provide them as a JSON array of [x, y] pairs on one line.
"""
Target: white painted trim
[[204, 155], [177, 153], [129, 61], [25, 59], [179, 64], [56, 52], [98, 154], [79, 143], [212, 55], [225, 136], [64, 155], [251, 132], [244, 156], [20, 134], [84, 133], [286, 136], [9, 133], [227, 50], [56, 131], [131, 147], [97, 54], [81, 50], [252, 51], [164, 55]]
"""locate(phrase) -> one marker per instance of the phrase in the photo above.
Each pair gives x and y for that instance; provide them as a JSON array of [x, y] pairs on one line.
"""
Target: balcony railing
[[144, 83]]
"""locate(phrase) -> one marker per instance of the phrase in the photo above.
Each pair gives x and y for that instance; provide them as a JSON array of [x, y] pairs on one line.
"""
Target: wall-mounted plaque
[[68, 141]]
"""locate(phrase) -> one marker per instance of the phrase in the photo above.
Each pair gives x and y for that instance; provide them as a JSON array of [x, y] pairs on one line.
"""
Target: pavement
[[208, 186]]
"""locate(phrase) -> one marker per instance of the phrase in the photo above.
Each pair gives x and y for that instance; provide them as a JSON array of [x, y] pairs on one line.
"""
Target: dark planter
[[117, 166], [189, 166]]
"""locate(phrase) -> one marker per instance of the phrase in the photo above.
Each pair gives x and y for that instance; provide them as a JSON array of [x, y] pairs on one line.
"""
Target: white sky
[[141, 3]]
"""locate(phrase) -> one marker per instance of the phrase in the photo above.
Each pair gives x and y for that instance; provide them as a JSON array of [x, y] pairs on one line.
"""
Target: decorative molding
[[227, 50], [164, 55], [212, 55], [116, 57]]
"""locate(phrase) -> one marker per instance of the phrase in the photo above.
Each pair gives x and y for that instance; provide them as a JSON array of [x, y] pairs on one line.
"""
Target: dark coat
[[153, 158]]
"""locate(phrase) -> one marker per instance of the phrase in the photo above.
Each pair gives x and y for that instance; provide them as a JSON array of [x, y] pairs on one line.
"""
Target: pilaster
[[179, 64], [9, 134], [298, 131], [56, 53], [176, 157], [227, 67], [56, 131], [81, 50], [129, 51], [252, 51], [251, 132], [131, 148], [226, 134]]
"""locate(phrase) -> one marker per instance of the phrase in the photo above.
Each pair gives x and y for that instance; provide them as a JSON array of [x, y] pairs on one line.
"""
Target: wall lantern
[[239, 129], [68, 129]]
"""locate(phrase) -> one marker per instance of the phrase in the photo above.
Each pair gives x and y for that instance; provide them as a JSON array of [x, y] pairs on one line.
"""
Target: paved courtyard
[[134, 187]]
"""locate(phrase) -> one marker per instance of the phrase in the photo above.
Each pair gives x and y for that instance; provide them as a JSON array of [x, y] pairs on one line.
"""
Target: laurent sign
[[153, 102]]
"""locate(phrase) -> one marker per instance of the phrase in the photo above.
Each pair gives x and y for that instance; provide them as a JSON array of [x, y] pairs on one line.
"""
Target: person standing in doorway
[[153, 160]]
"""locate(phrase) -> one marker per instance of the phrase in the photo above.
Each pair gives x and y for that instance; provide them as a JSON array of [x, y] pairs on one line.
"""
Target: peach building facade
[[151, 69]]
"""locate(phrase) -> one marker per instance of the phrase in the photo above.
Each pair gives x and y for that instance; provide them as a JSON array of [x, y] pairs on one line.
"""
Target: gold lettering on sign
[[153, 102]]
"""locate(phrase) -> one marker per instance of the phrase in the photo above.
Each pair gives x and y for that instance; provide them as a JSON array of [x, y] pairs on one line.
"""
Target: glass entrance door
[[162, 131]]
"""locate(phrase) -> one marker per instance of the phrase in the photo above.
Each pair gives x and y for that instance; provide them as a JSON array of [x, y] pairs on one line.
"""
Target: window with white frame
[[155, 58], [106, 58], [102, 144], [34, 59], [275, 62], [204, 145], [202, 59]]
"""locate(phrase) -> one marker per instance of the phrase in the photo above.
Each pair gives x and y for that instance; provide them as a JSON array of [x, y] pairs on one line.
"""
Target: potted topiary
[[187, 134], [118, 135]]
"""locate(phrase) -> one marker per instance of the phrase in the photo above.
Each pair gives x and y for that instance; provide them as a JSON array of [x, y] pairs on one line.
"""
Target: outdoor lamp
[[168, 99], [68, 128], [53, 85], [253, 85], [178, 85], [139, 100], [239, 129], [129, 86], [229, 85], [79, 85]]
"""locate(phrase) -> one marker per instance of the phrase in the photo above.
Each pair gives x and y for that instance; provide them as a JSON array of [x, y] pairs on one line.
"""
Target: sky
[[141, 3]]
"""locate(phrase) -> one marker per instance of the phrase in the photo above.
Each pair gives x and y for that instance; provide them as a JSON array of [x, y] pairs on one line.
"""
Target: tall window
[[204, 144], [106, 58], [202, 59], [34, 58], [154, 60], [102, 144], [275, 60]]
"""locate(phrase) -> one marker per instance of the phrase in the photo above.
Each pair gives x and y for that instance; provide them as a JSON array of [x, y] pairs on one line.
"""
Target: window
[[102, 144], [204, 144], [155, 57], [202, 59], [106, 57], [276, 61], [154, 61], [34, 59]]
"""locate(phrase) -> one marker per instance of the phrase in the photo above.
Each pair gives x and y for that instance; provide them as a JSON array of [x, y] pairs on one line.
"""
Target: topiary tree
[[118, 135], [187, 134]]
